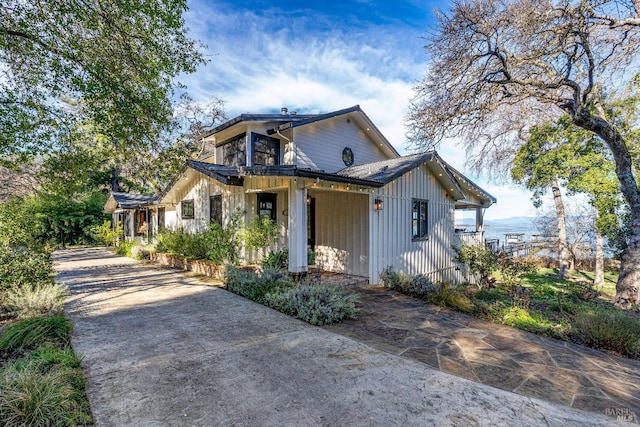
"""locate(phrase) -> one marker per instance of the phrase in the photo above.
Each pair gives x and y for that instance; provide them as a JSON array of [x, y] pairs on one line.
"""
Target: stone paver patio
[[496, 355]]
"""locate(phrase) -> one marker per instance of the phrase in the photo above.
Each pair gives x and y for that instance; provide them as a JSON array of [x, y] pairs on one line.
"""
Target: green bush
[[125, 248], [255, 286], [105, 233], [34, 332], [39, 300], [260, 233], [31, 398], [218, 244], [451, 298], [24, 267], [418, 286], [315, 304], [481, 261], [512, 269], [277, 259], [609, 330]]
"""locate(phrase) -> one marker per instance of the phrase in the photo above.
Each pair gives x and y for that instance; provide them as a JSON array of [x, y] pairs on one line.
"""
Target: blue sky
[[315, 56]]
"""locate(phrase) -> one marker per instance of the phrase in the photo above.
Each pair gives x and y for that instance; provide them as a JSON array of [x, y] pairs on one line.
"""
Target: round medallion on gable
[[347, 156]]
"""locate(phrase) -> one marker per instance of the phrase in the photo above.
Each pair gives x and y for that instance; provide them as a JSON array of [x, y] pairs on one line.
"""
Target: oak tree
[[495, 60], [112, 64]]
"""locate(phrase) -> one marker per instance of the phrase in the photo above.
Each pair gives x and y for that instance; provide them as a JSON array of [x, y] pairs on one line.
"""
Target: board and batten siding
[[319, 145], [342, 232], [391, 229], [199, 190]]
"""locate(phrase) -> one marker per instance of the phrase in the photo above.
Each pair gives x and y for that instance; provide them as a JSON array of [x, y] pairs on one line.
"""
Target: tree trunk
[[115, 176], [563, 244], [628, 286], [598, 276]]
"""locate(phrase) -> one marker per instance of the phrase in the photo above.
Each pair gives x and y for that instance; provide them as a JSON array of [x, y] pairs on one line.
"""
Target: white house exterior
[[334, 184]]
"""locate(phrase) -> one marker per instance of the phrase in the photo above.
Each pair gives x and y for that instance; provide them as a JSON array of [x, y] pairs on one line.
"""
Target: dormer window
[[266, 150]]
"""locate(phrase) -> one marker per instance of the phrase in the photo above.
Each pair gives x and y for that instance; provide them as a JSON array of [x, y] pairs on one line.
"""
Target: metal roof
[[128, 201]]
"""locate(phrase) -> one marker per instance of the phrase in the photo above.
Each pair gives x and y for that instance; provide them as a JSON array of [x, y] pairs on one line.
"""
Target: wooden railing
[[470, 238]]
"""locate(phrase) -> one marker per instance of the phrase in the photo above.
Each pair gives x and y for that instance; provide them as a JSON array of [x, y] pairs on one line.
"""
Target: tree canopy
[[499, 66], [66, 64]]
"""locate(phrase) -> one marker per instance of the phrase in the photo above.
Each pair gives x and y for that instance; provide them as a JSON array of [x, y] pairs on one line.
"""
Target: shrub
[[609, 330], [39, 300], [315, 304], [171, 241], [33, 332], [480, 260], [277, 259], [218, 244], [394, 280], [106, 234], [512, 269], [140, 252], [450, 298], [125, 247], [31, 398], [260, 233], [24, 267], [255, 286], [418, 286]]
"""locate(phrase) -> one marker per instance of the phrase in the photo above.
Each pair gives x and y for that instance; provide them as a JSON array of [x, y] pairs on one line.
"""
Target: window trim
[[276, 156], [234, 140], [274, 210], [422, 234], [193, 209]]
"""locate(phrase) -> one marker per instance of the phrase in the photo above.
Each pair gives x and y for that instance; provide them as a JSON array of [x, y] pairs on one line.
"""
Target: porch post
[[479, 219], [297, 227]]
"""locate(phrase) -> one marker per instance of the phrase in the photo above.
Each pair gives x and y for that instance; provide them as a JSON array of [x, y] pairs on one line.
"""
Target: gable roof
[[459, 185], [282, 122], [128, 201]]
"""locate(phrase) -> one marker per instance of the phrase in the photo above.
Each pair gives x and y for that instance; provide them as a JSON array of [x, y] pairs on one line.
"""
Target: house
[[334, 184]]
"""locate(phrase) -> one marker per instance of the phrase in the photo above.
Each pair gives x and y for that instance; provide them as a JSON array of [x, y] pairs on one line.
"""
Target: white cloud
[[300, 59]]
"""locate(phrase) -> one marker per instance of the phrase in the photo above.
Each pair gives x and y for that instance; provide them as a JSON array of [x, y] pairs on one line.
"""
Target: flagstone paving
[[496, 355]]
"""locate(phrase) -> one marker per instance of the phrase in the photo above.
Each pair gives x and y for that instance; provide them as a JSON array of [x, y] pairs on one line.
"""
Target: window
[[141, 225], [267, 205], [187, 209], [419, 219], [266, 150], [234, 151], [215, 209]]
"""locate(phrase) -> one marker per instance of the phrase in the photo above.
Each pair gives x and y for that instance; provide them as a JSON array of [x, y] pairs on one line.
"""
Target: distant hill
[[497, 228]]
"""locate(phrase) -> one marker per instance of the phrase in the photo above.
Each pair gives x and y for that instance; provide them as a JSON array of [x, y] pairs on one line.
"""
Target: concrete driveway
[[161, 348]]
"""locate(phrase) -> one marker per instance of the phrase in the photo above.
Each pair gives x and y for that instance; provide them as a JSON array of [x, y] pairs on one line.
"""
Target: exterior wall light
[[377, 205]]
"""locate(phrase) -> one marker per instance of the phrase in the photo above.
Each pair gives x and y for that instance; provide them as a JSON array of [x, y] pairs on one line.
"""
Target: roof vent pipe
[[284, 111]]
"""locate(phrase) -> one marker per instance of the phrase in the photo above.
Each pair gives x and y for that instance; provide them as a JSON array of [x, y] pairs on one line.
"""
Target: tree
[[539, 164], [559, 152], [495, 60], [110, 64]]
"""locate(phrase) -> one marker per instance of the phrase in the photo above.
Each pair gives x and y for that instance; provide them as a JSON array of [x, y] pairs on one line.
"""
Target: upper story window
[[419, 219], [266, 150], [234, 151]]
